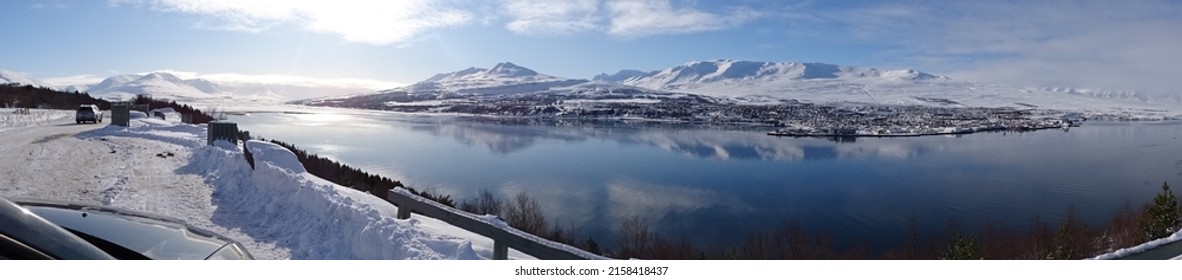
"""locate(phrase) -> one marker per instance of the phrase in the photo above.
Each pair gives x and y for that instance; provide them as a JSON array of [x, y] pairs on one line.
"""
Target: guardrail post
[[404, 211], [500, 250]]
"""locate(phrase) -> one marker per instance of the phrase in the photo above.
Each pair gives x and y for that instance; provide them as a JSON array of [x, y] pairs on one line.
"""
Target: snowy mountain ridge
[[744, 82], [699, 72], [7, 76], [501, 78], [828, 83], [165, 85]]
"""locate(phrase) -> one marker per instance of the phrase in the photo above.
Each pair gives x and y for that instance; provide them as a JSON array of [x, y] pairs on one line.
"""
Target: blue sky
[[1132, 45]]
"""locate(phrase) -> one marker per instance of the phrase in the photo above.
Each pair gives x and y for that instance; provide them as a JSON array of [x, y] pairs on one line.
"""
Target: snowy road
[[83, 163]]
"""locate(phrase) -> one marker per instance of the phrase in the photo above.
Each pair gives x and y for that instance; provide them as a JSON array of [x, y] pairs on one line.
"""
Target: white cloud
[[1091, 44], [391, 22], [622, 18], [62, 82], [50, 5], [552, 17], [277, 79], [638, 18], [371, 22]]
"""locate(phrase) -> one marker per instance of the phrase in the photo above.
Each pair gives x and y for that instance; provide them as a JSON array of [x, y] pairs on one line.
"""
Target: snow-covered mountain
[[8, 77], [165, 85], [504, 81], [502, 78], [764, 82], [827, 83], [730, 72], [159, 85]]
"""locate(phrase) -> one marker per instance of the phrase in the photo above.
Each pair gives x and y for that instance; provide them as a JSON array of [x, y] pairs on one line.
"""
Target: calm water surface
[[714, 185]]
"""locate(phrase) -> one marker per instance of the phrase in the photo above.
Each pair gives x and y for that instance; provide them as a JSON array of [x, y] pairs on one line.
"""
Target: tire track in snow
[[112, 192], [116, 187]]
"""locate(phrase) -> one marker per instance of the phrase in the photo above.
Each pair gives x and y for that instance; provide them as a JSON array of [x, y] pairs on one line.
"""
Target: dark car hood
[[154, 237]]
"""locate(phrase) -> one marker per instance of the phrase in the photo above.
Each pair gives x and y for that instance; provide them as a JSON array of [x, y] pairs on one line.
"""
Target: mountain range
[[233, 89], [721, 80], [762, 82], [169, 86]]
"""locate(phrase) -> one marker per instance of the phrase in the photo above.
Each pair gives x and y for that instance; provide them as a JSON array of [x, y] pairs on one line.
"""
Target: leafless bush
[[524, 213], [680, 249], [635, 239], [484, 203]]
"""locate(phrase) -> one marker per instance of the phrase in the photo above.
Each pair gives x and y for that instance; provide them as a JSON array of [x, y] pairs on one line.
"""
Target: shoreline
[[896, 135]]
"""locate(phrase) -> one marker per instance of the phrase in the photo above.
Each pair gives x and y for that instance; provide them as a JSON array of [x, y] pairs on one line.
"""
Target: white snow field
[[277, 210]]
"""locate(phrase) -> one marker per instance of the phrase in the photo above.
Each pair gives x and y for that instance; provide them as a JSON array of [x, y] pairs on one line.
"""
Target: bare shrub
[[635, 239], [1000, 244], [484, 203], [524, 213], [591, 246], [680, 249]]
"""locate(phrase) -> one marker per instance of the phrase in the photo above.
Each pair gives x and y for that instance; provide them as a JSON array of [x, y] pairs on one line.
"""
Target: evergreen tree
[[962, 248], [1163, 215], [1064, 245], [591, 246]]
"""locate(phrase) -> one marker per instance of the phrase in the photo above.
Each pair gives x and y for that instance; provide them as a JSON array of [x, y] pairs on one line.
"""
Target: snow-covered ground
[[276, 210], [1121, 253]]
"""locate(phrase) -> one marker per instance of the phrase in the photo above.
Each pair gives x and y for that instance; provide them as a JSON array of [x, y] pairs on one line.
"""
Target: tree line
[[26, 96], [345, 175], [1066, 240]]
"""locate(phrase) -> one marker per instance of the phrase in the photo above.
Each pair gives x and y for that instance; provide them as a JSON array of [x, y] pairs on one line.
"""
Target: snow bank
[[272, 154], [168, 113], [9, 119], [1141, 248], [174, 132], [314, 218]]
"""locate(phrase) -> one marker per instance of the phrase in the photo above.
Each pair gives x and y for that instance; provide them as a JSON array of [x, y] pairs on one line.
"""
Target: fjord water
[[715, 185]]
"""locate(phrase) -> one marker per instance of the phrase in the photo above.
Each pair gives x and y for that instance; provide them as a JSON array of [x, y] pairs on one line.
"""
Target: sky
[[1118, 45]]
